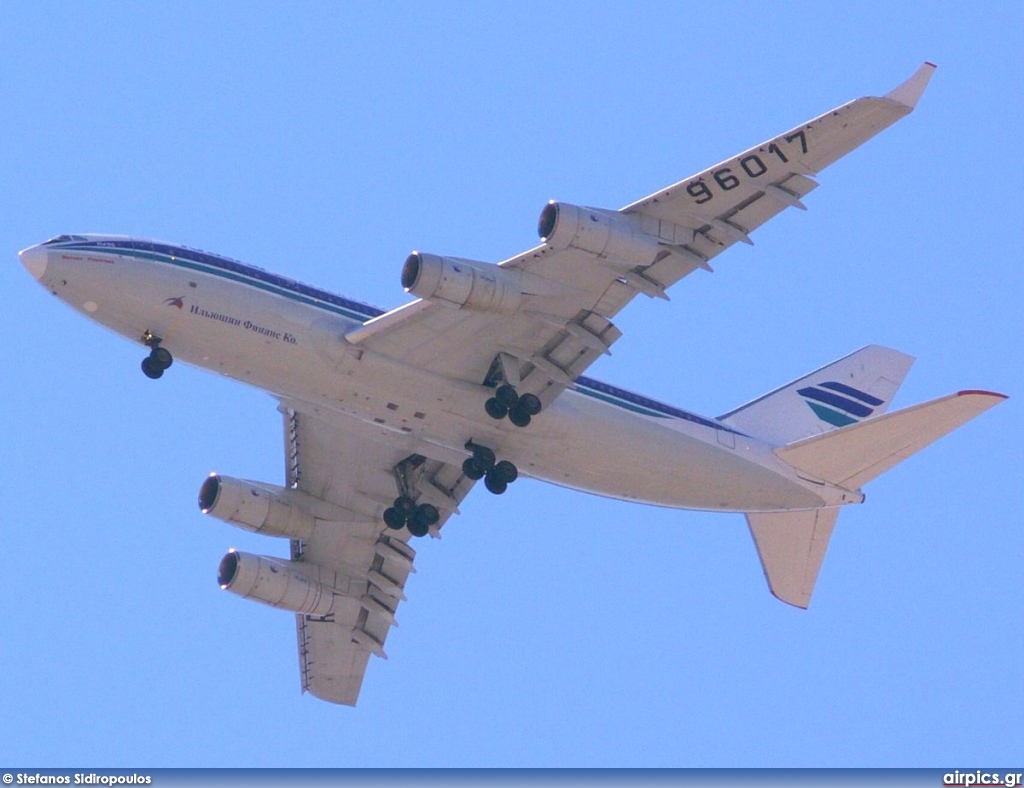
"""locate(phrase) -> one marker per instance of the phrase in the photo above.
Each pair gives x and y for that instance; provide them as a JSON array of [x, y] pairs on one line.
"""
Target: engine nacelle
[[263, 508], [483, 287], [286, 585], [607, 234]]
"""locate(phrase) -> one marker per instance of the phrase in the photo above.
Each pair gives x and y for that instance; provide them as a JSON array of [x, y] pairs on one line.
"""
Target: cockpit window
[[63, 238]]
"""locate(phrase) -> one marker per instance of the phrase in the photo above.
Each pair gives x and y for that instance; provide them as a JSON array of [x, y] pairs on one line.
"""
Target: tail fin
[[840, 394], [792, 545]]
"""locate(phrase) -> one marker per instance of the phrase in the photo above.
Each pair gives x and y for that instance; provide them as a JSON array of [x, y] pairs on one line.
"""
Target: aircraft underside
[[298, 354], [391, 418]]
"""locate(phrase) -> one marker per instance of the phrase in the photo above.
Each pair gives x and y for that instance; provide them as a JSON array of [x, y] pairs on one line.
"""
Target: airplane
[[391, 417]]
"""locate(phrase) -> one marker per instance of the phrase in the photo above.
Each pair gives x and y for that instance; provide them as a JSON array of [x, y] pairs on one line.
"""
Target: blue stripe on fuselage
[[641, 404], [225, 267]]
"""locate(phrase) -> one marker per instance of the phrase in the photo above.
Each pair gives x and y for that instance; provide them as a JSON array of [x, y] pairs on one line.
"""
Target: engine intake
[[607, 234], [483, 287], [262, 508]]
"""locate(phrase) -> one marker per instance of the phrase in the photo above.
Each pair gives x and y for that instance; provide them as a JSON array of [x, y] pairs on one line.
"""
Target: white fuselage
[[289, 339]]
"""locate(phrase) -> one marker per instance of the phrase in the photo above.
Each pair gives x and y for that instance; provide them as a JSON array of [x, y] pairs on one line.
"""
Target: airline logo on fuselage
[[248, 325], [838, 404]]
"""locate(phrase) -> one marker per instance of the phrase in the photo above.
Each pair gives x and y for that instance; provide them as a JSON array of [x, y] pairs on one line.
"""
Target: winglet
[[910, 91]]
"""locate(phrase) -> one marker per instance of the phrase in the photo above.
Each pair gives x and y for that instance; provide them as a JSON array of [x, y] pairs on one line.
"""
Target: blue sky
[[548, 628]]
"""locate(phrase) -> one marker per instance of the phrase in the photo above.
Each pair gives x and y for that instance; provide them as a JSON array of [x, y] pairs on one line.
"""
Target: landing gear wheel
[[495, 484], [392, 519], [505, 471], [519, 416], [417, 527], [486, 456], [530, 403], [151, 370], [495, 409], [162, 357], [429, 513], [507, 396], [405, 506], [426, 515], [473, 468]]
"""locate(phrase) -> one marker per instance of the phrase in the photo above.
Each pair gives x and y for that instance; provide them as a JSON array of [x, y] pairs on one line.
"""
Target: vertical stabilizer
[[843, 393]]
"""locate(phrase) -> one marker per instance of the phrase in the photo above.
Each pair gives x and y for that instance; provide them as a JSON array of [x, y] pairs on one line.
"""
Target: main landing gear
[[406, 513], [419, 517], [520, 408], [159, 358], [483, 464]]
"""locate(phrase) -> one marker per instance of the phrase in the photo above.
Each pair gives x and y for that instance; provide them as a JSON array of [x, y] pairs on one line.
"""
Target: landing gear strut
[[159, 358], [483, 464], [405, 512]]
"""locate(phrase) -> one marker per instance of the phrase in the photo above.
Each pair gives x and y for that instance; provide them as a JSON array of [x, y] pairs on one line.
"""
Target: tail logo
[[838, 404]]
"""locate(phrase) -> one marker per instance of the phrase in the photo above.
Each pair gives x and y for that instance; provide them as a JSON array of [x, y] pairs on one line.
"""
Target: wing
[[577, 281], [358, 468]]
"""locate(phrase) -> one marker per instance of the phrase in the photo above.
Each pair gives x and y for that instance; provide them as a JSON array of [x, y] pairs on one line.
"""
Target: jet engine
[[286, 585], [608, 234], [484, 287], [263, 508]]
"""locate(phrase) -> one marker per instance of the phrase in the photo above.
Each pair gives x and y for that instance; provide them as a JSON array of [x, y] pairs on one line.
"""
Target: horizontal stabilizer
[[854, 455], [791, 546]]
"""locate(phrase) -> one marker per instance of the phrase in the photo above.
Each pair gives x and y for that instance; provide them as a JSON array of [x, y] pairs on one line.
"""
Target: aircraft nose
[[34, 259]]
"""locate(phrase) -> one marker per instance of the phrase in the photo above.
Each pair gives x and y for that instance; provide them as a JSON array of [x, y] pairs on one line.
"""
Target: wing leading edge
[[573, 289]]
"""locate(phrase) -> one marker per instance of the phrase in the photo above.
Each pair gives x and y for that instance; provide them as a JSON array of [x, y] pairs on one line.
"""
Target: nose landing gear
[[159, 358]]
